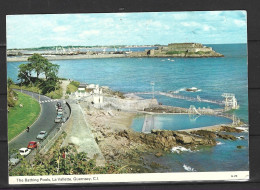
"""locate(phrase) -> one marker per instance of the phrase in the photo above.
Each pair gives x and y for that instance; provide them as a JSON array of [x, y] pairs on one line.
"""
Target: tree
[[37, 63], [9, 82], [24, 73], [50, 69]]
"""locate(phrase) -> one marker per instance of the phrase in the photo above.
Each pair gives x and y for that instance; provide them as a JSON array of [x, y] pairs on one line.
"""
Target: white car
[[42, 135], [24, 151]]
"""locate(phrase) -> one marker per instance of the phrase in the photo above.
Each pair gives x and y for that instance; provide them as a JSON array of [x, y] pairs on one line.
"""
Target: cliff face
[[179, 50]]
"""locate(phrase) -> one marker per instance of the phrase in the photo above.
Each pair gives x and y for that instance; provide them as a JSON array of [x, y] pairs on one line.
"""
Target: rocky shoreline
[[123, 146]]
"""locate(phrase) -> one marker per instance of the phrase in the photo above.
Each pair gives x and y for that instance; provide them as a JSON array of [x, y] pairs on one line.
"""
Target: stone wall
[[130, 104], [185, 45], [205, 49]]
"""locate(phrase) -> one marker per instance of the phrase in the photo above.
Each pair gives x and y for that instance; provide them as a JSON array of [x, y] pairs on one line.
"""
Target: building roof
[[83, 85]]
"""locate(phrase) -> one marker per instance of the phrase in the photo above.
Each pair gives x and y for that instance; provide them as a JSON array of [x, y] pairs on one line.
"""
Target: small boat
[[192, 89]]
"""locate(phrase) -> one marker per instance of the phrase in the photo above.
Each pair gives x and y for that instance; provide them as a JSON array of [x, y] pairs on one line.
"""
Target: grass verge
[[72, 87], [21, 117]]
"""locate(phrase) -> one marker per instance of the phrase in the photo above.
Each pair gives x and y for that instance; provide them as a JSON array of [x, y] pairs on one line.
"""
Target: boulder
[[204, 133], [158, 154], [184, 139], [230, 129], [226, 136]]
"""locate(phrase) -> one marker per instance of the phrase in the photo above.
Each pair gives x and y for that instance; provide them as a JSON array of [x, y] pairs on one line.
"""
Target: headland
[[181, 50]]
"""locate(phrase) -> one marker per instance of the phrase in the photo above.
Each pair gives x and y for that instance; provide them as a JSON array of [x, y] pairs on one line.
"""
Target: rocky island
[[191, 50]]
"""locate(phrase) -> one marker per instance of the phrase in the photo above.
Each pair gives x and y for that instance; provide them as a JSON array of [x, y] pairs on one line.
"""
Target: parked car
[[13, 161], [42, 135], [58, 119], [24, 151], [59, 115], [32, 145]]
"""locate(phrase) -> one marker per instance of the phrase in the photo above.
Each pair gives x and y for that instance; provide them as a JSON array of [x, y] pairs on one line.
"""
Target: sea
[[211, 76]]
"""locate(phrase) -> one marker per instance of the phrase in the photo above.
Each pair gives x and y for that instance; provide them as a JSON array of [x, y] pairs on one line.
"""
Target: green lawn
[[21, 117], [72, 87]]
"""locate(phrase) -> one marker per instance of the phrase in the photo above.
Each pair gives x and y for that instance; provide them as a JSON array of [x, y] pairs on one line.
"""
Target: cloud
[[190, 24], [61, 28], [240, 23], [208, 28], [89, 33]]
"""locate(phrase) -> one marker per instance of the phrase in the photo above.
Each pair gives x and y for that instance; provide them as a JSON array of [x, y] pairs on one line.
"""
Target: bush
[[57, 94], [75, 83], [72, 87]]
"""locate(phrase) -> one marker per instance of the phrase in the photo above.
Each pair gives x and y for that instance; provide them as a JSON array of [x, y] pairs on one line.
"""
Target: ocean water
[[223, 157], [213, 76]]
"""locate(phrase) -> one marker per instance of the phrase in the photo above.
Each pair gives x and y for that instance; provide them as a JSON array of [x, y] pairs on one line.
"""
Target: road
[[45, 122]]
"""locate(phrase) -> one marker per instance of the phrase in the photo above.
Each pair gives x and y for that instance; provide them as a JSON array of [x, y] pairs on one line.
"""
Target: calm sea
[[213, 76]]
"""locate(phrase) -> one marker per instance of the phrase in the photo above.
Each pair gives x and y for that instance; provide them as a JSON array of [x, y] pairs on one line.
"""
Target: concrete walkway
[[79, 134]]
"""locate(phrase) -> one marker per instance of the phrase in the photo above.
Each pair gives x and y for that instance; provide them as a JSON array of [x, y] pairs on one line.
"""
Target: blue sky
[[207, 27]]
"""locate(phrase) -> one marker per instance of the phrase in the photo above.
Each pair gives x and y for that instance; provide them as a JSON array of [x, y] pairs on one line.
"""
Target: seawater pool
[[179, 121]]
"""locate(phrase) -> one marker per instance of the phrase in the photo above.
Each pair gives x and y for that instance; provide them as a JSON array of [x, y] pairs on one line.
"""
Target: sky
[[206, 27]]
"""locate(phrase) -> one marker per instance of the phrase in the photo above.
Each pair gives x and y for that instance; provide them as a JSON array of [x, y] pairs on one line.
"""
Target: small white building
[[82, 87]]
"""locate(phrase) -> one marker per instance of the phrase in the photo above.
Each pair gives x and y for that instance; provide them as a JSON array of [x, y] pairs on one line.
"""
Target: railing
[[198, 99]]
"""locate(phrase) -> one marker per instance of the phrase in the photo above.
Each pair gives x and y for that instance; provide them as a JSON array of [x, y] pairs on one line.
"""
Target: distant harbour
[[179, 50]]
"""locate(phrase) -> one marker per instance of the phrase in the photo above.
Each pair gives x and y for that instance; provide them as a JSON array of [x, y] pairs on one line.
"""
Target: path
[[148, 124], [79, 134], [64, 84]]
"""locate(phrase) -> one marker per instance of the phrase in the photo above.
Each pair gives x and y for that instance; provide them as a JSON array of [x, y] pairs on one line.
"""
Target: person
[[28, 129], [64, 155]]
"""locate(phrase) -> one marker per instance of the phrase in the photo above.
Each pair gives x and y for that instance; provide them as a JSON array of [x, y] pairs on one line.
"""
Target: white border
[[144, 177]]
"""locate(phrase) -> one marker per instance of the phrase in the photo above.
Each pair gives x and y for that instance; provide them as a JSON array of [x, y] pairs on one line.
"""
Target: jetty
[[172, 95]]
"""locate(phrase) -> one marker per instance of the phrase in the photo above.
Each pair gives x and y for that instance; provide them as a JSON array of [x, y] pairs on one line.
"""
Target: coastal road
[[45, 122]]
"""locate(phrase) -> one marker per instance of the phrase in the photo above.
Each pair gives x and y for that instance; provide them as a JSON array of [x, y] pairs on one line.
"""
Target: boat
[[192, 89]]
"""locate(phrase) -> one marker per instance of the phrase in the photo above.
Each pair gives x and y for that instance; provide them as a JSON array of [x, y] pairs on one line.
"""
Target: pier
[[148, 124], [171, 95], [229, 103]]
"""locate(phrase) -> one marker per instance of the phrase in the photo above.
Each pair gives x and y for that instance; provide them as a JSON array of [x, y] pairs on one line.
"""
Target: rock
[[184, 139], [155, 165], [158, 154], [204, 133], [240, 146], [226, 136], [230, 129], [128, 134]]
